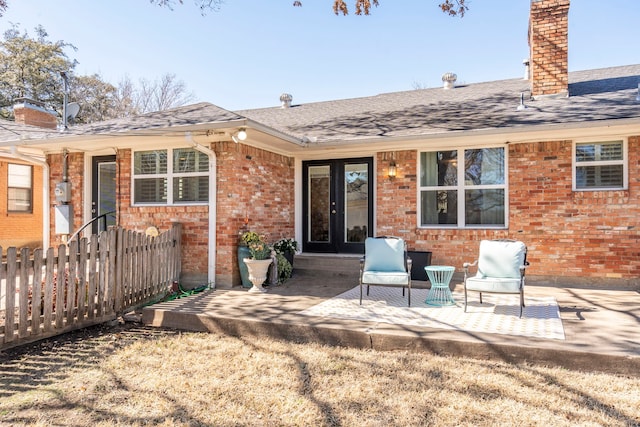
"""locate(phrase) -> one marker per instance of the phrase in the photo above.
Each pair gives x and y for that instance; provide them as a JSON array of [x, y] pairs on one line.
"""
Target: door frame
[[95, 161], [336, 240]]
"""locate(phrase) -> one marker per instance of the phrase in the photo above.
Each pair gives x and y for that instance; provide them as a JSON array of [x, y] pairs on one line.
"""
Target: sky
[[249, 52]]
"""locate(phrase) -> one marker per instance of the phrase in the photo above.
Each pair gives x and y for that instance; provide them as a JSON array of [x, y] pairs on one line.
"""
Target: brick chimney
[[29, 112], [548, 47]]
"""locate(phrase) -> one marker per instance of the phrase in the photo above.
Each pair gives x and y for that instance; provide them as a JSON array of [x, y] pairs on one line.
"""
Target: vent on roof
[[449, 80], [285, 100]]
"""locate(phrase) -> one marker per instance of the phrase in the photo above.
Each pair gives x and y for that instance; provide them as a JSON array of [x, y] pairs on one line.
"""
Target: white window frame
[[169, 176], [461, 187], [624, 162], [20, 185]]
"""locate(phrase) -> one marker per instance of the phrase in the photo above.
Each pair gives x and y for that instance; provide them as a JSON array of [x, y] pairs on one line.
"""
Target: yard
[[128, 374]]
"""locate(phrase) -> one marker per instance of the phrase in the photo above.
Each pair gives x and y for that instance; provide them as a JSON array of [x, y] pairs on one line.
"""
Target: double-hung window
[[463, 188], [171, 176], [600, 165], [20, 188]]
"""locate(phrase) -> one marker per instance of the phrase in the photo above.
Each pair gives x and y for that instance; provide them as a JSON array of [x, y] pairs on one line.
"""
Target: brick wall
[[549, 46], [256, 185], [75, 175], [251, 183], [20, 229], [587, 237]]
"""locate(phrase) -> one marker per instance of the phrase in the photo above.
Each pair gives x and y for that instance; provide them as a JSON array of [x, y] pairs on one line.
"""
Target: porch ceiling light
[[240, 135], [392, 169]]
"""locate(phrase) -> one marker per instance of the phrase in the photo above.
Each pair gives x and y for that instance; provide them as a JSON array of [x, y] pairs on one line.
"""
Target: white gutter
[[211, 270], [45, 190]]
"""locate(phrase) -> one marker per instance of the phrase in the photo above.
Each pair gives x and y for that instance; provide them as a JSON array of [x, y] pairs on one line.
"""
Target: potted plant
[[246, 237], [286, 247], [259, 260]]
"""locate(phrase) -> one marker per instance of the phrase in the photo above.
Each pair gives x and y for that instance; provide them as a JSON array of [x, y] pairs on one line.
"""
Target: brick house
[[551, 160], [22, 179]]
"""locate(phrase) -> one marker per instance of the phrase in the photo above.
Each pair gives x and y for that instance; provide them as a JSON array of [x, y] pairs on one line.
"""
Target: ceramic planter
[[258, 269]]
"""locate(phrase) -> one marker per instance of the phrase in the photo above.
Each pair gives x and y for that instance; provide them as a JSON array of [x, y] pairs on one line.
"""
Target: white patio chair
[[501, 269], [385, 263]]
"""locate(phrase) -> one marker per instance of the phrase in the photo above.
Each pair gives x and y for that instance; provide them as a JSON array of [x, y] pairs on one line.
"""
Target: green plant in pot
[[258, 261], [287, 247]]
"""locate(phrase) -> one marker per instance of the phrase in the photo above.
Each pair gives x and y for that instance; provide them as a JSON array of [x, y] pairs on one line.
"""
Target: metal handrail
[[104, 215]]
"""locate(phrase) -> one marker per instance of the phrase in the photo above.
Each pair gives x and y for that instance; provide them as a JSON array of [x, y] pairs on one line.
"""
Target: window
[[20, 189], [600, 165], [468, 196], [173, 176]]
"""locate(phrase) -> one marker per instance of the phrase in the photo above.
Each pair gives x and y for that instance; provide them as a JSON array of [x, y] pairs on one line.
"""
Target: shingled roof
[[595, 95]]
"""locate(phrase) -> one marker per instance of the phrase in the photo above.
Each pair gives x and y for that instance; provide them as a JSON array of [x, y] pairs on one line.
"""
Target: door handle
[[333, 211]]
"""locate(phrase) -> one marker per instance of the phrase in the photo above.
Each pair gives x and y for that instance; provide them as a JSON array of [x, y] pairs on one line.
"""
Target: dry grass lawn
[[131, 375]]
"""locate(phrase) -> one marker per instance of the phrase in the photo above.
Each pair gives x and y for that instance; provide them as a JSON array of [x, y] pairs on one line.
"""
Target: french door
[[103, 194], [338, 205]]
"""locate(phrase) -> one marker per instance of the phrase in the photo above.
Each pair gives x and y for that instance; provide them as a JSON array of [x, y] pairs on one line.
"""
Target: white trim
[[211, 259], [460, 189]]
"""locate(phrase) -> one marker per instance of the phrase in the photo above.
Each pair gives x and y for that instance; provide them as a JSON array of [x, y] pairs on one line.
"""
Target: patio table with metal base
[[440, 276]]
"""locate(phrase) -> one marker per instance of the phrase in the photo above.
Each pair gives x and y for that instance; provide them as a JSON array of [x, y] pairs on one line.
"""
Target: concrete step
[[327, 265]]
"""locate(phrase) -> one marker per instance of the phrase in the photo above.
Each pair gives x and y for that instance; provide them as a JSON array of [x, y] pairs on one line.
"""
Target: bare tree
[[157, 95]]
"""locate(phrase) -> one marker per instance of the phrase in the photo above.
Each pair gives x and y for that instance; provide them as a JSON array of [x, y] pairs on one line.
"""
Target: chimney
[[548, 47], [29, 112]]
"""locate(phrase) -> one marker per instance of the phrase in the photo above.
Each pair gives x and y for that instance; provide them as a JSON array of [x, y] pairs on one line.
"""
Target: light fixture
[[240, 135], [392, 169]]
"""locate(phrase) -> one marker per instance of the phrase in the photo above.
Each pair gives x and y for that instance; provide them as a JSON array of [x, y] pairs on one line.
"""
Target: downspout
[[211, 273], [45, 191]]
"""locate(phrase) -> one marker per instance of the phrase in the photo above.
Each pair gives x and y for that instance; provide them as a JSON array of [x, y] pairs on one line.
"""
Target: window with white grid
[[20, 188], [171, 176], [600, 165]]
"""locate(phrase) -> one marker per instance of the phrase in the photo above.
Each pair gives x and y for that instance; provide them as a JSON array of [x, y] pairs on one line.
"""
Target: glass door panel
[[356, 213], [319, 181]]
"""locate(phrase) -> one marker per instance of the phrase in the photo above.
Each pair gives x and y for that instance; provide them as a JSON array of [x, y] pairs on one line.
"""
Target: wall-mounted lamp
[[240, 135], [392, 169]]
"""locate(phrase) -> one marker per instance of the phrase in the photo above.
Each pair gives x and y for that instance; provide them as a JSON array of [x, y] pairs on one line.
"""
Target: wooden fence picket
[[91, 280]]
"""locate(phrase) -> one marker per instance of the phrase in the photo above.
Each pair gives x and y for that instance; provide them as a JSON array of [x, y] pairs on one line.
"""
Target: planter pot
[[289, 256], [420, 260], [258, 269], [243, 252]]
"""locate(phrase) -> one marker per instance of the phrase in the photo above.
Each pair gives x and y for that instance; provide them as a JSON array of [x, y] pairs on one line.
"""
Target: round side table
[[440, 276]]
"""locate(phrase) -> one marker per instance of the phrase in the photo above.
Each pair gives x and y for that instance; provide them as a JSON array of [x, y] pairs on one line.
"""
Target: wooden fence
[[90, 281]]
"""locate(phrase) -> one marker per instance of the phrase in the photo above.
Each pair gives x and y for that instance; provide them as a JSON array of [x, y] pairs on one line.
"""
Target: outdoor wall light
[[392, 170], [241, 135]]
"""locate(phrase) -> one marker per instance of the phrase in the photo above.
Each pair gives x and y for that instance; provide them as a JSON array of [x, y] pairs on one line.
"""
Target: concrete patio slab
[[602, 327]]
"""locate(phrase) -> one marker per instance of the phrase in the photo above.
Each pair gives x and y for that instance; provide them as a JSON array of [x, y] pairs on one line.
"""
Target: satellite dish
[[73, 108]]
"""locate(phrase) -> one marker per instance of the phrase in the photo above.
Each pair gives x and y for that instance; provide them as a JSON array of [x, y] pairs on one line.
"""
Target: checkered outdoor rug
[[498, 314]]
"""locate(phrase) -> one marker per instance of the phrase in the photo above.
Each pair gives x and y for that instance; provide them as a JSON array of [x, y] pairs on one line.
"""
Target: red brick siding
[[75, 175], [588, 234], [254, 184], [20, 229], [549, 45], [194, 220]]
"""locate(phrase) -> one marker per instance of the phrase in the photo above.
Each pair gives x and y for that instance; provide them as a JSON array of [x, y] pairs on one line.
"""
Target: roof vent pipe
[[449, 80], [285, 100], [525, 62]]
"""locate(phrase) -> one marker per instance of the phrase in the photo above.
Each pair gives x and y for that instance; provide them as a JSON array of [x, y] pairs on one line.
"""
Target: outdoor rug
[[498, 314]]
